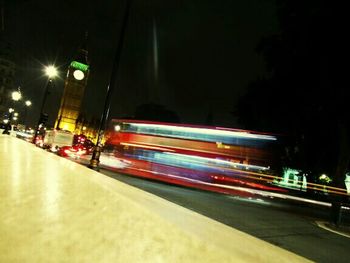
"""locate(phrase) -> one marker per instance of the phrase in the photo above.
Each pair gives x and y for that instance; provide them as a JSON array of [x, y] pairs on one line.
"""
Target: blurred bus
[[191, 153]]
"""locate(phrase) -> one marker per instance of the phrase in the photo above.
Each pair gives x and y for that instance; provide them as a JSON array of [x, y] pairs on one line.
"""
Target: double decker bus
[[193, 155]]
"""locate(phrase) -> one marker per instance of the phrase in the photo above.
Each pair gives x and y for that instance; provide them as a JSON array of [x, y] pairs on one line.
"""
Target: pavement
[[54, 210]]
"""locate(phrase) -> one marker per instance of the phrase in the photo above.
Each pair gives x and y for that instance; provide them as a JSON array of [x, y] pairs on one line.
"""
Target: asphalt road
[[287, 224]]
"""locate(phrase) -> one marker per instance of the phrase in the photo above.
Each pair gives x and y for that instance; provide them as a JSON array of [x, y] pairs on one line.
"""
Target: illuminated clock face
[[78, 74]]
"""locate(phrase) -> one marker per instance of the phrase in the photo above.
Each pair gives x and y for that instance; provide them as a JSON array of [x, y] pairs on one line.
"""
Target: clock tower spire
[[74, 88]]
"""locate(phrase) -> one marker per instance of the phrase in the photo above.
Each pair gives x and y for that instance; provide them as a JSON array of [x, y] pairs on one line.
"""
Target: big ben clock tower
[[73, 93]]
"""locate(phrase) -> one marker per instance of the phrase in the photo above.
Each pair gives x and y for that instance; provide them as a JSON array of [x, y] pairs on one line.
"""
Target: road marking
[[323, 225]]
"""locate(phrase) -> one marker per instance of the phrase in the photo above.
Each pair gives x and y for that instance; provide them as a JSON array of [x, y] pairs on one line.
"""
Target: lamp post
[[16, 96], [8, 122], [27, 103], [15, 116], [51, 72], [95, 158]]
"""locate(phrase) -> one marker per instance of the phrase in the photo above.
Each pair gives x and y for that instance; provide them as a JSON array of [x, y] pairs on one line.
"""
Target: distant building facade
[[73, 93], [7, 69], [87, 127], [7, 76]]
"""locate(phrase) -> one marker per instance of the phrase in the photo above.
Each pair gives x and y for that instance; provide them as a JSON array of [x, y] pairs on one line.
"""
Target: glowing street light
[[28, 103], [16, 95], [51, 71]]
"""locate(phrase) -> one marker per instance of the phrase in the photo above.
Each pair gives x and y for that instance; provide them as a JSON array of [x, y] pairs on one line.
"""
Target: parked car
[[56, 139]]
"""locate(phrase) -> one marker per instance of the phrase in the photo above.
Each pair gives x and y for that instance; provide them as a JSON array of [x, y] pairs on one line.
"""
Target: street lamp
[[95, 158], [28, 103], [51, 72], [8, 122], [15, 116], [16, 96]]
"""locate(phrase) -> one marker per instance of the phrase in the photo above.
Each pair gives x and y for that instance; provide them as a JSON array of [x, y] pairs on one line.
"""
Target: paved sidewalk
[[54, 210]]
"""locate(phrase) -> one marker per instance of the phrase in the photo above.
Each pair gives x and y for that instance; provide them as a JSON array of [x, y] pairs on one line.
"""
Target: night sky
[[206, 52]]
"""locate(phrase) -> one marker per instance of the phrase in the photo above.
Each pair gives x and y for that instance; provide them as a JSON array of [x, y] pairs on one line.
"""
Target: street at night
[[173, 131], [290, 224]]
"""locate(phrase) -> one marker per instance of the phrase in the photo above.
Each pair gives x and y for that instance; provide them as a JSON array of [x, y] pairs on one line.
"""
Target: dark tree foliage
[[303, 96], [155, 112]]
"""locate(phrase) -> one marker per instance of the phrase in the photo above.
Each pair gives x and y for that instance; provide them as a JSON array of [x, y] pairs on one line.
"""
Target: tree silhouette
[[302, 95]]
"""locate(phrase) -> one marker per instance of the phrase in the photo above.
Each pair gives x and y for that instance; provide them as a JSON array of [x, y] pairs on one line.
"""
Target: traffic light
[[43, 118]]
